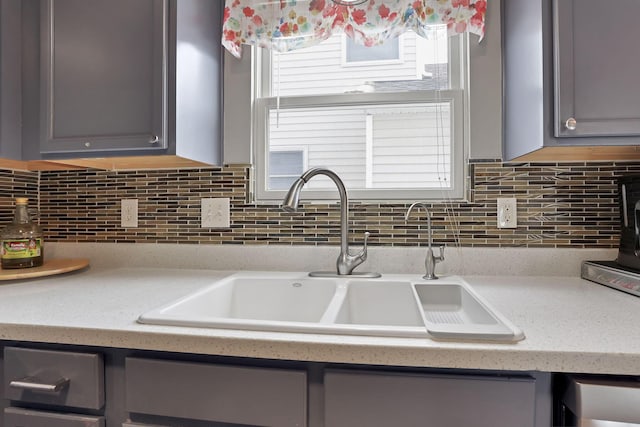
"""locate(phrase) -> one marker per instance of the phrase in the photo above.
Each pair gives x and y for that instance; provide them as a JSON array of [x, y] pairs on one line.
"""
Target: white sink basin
[[251, 302], [379, 303], [395, 305], [380, 307]]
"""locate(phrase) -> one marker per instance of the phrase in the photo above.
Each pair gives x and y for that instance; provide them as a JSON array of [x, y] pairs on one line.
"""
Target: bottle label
[[21, 248]]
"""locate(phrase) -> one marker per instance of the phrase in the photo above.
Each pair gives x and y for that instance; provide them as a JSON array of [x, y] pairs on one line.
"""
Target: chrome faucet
[[431, 260], [346, 262]]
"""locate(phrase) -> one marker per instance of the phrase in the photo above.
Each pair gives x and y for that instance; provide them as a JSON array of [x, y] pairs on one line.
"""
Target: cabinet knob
[[571, 123], [154, 139], [87, 144]]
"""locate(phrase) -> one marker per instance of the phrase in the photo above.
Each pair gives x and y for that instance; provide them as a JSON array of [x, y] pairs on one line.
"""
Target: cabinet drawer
[[233, 394], [54, 377], [372, 399], [17, 417]]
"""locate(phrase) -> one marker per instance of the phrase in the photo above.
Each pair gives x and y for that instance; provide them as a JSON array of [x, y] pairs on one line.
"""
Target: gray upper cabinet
[[596, 68], [10, 99], [570, 74], [113, 78], [103, 76]]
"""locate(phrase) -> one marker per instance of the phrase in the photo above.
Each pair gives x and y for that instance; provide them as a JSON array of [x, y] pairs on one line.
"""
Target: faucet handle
[[440, 257], [366, 237], [363, 253]]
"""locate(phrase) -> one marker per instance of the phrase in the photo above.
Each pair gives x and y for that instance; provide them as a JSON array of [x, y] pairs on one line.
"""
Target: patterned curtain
[[285, 25]]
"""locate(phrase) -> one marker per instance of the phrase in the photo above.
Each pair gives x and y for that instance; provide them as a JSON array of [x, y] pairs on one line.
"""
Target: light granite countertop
[[571, 325]]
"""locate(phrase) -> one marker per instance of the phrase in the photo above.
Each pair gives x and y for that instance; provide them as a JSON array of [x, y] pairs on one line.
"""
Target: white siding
[[410, 144], [321, 69], [335, 139]]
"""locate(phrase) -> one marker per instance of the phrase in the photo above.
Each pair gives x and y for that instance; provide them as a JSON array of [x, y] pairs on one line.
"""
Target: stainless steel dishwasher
[[601, 402]]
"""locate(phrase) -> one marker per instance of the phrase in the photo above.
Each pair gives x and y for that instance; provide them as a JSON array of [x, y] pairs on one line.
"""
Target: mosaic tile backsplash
[[559, 205], [16, 184]]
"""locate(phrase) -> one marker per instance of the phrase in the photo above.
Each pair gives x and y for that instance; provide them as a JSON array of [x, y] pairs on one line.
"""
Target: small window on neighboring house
[[285, 167], [355, 53]]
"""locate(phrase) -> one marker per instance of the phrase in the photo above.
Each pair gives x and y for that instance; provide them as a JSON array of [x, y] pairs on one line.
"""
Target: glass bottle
[[22, 245]]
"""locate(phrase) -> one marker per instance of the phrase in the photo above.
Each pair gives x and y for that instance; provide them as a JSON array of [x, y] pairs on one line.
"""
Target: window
[[355, 53], [285, 166], [389, 121]]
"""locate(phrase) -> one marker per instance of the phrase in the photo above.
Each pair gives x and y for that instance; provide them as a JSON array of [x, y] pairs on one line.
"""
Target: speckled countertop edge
[[571, 325]]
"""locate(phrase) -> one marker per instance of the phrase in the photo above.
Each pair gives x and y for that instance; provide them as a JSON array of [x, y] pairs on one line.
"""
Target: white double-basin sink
[[391, 306]]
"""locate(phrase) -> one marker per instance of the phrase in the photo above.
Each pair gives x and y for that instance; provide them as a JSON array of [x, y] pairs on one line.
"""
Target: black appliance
[[624, 272], [629, 202]]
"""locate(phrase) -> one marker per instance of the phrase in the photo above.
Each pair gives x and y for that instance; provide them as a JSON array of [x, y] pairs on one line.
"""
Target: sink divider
[[331, 313]]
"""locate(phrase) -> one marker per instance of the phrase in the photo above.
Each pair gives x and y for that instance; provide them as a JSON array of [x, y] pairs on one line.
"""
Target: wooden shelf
[[582, 154], [104, 163], [48, 268]]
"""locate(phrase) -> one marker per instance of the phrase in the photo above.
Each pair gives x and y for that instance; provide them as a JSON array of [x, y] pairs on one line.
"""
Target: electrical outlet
[[507, 213], [215, 213], [129, 213]]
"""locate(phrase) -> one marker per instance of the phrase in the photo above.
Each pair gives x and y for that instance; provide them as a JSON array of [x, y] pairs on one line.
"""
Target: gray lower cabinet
[[219, 393], [59, 385], [52, 388], [17, 417], [570, 74], [104, 78], [382, 399]]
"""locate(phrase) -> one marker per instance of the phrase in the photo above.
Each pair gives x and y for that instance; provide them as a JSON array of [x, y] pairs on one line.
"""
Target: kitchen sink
[[394, 306], [252, 302]]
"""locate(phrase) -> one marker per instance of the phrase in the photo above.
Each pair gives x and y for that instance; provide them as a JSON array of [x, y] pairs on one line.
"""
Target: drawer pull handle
[[33, 384]]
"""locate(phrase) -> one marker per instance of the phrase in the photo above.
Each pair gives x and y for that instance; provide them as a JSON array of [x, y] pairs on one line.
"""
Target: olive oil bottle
[[22, 245]]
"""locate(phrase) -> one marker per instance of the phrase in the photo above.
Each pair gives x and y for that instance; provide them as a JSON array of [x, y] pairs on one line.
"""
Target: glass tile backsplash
[[559, 205]]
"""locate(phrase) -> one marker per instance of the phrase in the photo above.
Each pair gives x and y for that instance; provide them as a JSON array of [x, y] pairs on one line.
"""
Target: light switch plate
[[215, 213], [507, 213], [129, 213]]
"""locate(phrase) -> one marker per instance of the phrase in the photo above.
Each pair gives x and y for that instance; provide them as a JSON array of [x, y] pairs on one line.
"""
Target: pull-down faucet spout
[[346, 262]]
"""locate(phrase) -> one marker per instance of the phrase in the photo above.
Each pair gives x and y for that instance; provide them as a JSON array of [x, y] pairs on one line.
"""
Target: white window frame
[[483, 125], [458, 99]]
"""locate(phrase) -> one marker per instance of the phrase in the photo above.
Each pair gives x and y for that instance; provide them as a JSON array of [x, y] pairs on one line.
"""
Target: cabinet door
[[377, 399], [217, 393], [60, 378], [103, 76], [18, 417], [596, 65], [10, 101]]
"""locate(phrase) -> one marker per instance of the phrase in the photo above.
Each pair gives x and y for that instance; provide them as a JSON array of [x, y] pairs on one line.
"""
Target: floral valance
[[285, 25]]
